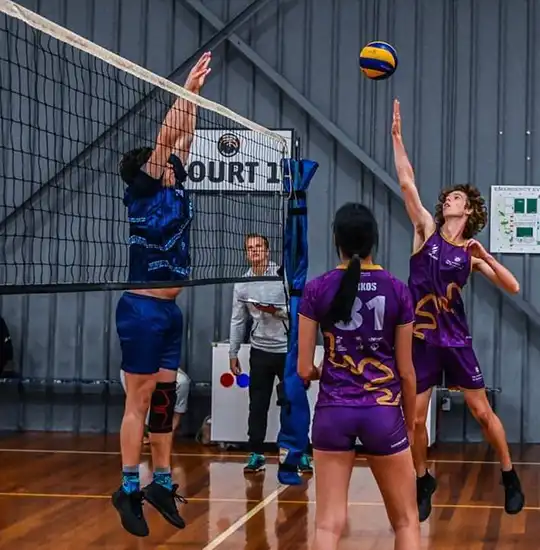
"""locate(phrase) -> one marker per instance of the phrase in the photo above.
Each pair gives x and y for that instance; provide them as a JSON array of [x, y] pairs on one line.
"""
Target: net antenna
[[66, 220]]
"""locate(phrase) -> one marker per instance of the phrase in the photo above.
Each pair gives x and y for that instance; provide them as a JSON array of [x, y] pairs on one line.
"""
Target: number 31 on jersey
[[377, 304]]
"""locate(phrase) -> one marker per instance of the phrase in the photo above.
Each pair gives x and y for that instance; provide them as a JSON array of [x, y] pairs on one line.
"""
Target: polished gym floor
[[54, 494]]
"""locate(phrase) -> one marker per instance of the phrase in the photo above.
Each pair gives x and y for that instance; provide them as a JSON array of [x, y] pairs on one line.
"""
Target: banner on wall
[[237, 160]]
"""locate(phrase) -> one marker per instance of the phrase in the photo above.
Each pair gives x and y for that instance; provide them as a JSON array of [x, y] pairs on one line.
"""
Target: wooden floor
[[54, 494]]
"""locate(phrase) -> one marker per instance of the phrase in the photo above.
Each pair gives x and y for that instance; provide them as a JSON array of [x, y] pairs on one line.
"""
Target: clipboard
[[259, 303]]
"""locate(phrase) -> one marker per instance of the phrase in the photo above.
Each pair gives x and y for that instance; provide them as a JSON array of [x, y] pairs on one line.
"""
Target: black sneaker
[[425, 487], [164, 501], [130, 508], [514, 499]]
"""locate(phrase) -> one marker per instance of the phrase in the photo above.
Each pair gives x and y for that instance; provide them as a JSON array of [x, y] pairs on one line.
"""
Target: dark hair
[[356, 236], [256, 236], [132, 161], [477, 219]]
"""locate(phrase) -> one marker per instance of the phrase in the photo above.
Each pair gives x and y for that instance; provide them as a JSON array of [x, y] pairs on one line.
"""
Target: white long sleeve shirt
[[269, 332]]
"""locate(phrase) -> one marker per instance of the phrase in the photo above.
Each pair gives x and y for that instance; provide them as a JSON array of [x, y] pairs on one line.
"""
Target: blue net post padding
[[292, 393]]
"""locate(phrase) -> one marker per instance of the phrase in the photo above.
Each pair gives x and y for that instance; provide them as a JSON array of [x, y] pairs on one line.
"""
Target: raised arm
[[182, 145], [423, 221], [178, 128]]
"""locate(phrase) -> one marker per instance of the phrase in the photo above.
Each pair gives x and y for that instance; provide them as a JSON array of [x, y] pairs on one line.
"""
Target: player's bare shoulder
[[423, 231]]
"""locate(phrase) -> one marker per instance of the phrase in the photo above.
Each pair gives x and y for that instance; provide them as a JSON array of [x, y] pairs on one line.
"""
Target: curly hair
[[477, 219]]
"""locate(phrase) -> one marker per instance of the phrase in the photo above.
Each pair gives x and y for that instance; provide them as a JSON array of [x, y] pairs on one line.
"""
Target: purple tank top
[[359, 367], [438, 273]]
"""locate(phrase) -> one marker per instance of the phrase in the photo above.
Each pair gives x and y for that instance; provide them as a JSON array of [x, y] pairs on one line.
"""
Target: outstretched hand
[[198, 73], [396, 120]]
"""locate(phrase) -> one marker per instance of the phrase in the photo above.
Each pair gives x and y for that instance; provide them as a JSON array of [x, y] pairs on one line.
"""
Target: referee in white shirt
[[265, 303]]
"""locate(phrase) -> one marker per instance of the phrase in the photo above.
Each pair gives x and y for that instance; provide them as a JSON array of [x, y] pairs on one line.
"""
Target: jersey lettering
[[368, 286], [378, 304]]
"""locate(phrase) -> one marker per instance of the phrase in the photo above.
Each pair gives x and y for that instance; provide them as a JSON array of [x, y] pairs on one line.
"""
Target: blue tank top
[[159, 221]]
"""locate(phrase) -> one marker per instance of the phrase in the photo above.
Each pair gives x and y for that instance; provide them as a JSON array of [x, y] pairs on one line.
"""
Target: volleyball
[[378, 60]]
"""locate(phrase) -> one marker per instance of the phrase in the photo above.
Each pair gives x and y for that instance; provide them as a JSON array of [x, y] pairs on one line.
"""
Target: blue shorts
[[381, 429], [150, 332]]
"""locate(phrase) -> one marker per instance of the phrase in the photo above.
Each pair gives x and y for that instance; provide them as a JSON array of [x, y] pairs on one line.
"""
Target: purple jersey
[[438, 273], [359, 367]]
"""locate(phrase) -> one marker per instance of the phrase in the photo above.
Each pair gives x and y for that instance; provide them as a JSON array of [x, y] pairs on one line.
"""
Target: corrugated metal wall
[[468, 97]]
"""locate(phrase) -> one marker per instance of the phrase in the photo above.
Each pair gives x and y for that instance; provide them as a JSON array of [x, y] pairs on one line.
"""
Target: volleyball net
[[69, 111]]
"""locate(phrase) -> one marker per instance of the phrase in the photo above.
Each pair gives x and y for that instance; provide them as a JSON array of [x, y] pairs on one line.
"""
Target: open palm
[[198, 73]]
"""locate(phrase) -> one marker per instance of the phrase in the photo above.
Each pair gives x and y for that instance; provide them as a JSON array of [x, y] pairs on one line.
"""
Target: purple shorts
[[381, 429], [459, 365]]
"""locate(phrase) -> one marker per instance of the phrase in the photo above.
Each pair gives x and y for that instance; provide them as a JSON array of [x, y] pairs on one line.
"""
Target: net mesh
[[69, 110]]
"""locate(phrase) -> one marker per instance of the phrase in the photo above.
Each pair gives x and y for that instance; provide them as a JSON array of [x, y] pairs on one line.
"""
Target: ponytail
[[341, 307]]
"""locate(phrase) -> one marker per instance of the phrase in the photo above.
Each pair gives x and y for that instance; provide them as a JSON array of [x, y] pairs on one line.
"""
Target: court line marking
[[244, 519], [235, 455], [267, 500]]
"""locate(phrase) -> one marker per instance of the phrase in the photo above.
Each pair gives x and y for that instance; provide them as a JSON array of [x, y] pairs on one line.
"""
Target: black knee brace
[[162, 408]]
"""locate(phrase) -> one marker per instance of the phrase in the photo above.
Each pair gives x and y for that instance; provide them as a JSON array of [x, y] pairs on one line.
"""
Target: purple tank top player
[[367, 387], [445, 253], [359, 366], [438, 272]]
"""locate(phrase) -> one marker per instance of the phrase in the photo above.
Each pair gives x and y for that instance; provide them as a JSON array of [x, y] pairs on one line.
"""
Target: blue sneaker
[[306, 466], [256, 463]]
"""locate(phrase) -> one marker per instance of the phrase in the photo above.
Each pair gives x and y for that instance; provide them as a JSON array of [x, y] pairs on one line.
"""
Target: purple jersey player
[[367, 381], [444, 255]]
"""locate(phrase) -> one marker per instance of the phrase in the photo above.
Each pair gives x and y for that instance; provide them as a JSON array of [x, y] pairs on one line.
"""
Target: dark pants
[[264, 367]]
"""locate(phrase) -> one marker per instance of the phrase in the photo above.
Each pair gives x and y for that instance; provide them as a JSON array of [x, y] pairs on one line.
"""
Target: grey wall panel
[[470, 113]]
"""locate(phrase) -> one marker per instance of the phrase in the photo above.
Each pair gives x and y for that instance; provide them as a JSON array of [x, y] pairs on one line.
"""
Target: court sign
[[237, 160]]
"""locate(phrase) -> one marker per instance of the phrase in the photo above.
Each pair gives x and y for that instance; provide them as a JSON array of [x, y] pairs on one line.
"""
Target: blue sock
[[130, 479], [162, 476]]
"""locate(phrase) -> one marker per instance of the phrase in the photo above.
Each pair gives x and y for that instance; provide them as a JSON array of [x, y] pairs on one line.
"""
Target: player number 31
[[377, 304]]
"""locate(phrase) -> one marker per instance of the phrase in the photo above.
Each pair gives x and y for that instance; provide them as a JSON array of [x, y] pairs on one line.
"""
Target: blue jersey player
[[148, 322]]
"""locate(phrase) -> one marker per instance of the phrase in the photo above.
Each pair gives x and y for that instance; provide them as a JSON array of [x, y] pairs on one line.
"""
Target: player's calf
[[128, 498], [162, 493], [514, 498]]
